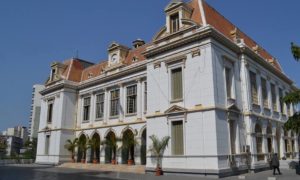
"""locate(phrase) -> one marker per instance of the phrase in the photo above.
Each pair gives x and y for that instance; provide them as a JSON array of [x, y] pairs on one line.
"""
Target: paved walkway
[[29, 172], [138, 173], [136, 169]]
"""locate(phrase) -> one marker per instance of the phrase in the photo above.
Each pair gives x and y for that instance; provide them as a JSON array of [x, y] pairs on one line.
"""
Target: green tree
[[293, 98], [129, 142], [30, 146], [3, 147], [94, 144], [71, 146], [296, 51], [157, 149], [111, 142]]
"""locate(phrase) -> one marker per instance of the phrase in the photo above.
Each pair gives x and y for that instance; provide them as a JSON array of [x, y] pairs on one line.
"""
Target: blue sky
[[34, 33]]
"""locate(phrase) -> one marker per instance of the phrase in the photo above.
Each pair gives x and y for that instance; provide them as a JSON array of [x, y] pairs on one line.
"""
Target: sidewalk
[[136, 169], [103, 171]]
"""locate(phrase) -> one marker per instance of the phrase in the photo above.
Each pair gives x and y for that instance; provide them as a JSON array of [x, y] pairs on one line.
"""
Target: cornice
[[122, 73], [209, 31]]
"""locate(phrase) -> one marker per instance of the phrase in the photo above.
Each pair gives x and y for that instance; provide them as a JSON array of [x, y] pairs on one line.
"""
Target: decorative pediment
[[233, 113], [233, 108], [175, 109], [172, 4], [160, 33]]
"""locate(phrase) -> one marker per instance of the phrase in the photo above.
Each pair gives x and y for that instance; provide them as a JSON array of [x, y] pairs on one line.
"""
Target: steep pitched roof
[[224, 26]]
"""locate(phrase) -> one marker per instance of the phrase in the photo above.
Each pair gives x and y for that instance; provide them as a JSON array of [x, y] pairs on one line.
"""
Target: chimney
[[138, 43]]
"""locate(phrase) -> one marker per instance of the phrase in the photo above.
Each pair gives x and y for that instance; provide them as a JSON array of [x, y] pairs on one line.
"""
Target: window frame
[[174, 22], [253, 88], [84, 108], [274, 97], [264, 93], [171, 83], [117, 100], [101, 105], [50, 112], [172, 138], [135, 95]]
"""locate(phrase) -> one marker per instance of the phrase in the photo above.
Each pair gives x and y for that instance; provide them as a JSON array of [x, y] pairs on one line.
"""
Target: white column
[[122, 106], [282, 145], [296, 145], [269, 93], [264, 139], [259, 88], [119, 152], [137, 151], [274, 138], [106, 106], [92, 109], [102, 153], [139, 99], [237, 138], [246, 84]]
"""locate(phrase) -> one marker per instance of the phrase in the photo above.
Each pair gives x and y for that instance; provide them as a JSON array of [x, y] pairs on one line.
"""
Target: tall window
[[50, 112], [264, 92], [232, 136], [47, 144], [177, 138], [281, 101], [176, 83], [86, 108], [114, 102], [53, 74], [274, 100], [174, 20], [145, 96], [258, 133], [253, 87], [228, 76], [99, 106], [131, 99]]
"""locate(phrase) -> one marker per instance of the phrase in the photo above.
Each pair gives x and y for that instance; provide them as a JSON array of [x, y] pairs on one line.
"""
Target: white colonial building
[[201, 81]]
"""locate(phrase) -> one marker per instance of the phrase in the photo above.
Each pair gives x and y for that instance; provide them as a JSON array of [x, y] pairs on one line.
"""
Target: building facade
[[35, 111], [201, 81]]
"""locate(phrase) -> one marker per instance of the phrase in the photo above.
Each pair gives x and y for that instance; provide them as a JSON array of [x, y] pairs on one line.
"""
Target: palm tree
[[70, 146], [94, 144], [111, 142], [157, 149], [129, 142], [83, 146], [293, 122], [296, 51]]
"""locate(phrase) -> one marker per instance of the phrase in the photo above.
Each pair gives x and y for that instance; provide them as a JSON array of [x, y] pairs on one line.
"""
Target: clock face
[[114, 59]]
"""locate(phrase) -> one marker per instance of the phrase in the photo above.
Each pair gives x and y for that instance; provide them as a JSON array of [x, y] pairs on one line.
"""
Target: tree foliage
[[30, 146], [296, 51], [158, 147], [293, 98]]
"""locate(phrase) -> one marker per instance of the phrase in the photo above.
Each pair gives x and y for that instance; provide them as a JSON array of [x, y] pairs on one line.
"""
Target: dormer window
[[174, 22], [134, 59], [53, 74]]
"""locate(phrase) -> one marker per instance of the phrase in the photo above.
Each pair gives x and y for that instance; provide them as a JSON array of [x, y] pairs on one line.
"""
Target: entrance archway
[[95, 148], [128, 146], [144, 147], [81, 155], [110, 149]]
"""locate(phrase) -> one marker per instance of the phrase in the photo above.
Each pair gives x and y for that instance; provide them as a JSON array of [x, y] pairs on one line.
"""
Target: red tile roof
[[78, 71], [223, 25]]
